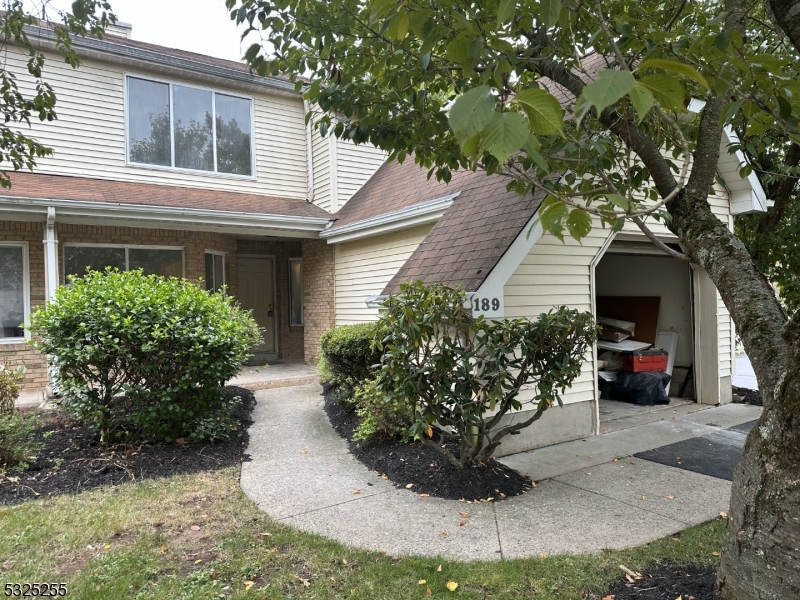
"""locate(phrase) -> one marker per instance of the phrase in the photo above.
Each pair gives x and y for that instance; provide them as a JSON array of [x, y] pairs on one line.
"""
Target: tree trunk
[[761, 547]]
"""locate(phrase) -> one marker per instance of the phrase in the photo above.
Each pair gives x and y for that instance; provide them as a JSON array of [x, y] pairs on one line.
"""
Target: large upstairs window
[[186, 127]]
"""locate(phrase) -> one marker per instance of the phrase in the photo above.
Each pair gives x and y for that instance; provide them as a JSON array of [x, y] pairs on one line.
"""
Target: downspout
[[309, 151], [51, 255]]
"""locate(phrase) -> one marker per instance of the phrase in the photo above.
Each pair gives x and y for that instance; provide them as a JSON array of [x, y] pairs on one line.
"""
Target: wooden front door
[[256, 293]]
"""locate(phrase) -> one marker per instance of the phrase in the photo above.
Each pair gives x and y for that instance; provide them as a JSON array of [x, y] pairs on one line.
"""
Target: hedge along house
[[178, 164], [473, 233]]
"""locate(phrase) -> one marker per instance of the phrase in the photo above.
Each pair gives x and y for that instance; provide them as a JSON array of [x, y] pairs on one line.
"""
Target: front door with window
[[256, 294]]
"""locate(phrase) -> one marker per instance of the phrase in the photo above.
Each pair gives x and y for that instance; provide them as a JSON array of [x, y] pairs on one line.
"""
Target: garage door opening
[[645, 301]]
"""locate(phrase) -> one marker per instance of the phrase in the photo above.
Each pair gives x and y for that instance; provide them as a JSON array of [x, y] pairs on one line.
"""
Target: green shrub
[[17, 440], [142, 351], [9, 387], [381, 417], [349, 353], [463, 374]]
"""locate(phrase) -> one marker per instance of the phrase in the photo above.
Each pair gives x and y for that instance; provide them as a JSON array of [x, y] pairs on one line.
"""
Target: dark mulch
[[668, 581], [72, 461], [424, 467], [748, 396]]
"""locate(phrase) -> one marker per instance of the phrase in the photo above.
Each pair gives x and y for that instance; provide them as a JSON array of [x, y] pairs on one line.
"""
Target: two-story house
[[186, 165], [178, 164]]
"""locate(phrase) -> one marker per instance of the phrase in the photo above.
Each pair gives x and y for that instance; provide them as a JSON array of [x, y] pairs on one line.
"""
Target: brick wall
[[194, 243], [290, 339], [318, 292], [23, 354]]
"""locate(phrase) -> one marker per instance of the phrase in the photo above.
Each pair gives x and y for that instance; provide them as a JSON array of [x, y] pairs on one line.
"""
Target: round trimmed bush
[[143, 352], [349, 354]]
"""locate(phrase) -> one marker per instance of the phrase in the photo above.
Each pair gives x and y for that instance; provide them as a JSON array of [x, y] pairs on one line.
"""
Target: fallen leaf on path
[[451, 585], [462, 523], [443, 534], [357, 492], [180, 441], [424, 495], [384, 476], [670, 497], [629, 578], [715, 553], [609, 597], [723, 514], [409, 486], [421, 582], [303, 451], [463, 514]]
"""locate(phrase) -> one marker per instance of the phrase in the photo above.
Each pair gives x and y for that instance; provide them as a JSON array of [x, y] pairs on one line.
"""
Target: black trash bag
[[646, 388]]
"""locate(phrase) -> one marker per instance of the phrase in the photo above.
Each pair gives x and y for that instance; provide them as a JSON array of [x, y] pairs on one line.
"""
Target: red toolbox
[[645, 360]]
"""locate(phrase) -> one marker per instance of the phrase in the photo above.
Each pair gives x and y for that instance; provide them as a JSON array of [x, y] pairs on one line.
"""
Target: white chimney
[[120, 29]]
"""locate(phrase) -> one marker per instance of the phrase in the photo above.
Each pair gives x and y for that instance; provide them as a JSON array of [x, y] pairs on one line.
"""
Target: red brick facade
[[318, 294], [292, 341]]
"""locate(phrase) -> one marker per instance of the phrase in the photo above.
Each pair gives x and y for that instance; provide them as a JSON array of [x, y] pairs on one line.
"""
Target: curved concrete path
[[302, 475]]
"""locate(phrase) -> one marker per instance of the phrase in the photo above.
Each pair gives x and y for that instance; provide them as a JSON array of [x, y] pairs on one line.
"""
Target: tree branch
[[782, 193], [657, 242]]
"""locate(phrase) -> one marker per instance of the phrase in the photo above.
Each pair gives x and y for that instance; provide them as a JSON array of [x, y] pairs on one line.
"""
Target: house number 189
[[484, 304]]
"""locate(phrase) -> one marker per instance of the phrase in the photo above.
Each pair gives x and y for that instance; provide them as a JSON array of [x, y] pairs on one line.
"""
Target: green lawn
[[198, 536]]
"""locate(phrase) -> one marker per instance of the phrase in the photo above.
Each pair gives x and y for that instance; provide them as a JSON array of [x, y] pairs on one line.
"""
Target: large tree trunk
[[761, 547]]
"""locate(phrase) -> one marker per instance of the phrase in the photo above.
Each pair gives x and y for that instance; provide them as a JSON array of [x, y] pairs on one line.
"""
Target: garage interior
[[636, 283]]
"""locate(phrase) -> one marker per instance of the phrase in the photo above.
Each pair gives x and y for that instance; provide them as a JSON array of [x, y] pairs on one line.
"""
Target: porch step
[[270, 384]]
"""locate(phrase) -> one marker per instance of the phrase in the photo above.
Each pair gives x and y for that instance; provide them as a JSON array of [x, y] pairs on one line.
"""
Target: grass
[[199, 537]]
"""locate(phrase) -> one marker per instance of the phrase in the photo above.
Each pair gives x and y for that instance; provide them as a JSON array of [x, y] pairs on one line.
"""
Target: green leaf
[[550, 11], [457, 50], [667, 90], [609, 87], [505, 12], [532, 148], [471, 112], [505, 134], [618, 200], [544, 112], [398, 28], [579, 224], [551, 216], [676, 67], [642, 100]]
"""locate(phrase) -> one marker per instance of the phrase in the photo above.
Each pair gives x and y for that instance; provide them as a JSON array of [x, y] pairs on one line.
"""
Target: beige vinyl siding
[[727, 341], [321, 157], [556, 274], [355, 165], [364, 267], [89, 136]]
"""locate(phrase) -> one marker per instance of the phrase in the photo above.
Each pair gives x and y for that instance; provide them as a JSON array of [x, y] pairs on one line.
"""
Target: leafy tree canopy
[[19, 103], [467, 84]]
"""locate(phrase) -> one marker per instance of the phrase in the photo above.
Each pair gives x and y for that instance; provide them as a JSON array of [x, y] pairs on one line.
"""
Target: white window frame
[[127, 248], [214, 92], [26, 293], [217, 253], [291, 293]]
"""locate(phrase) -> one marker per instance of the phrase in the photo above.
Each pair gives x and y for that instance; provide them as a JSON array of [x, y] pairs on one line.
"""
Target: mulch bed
[[424, 467], [72, 461], [748, 396], [668, 581]]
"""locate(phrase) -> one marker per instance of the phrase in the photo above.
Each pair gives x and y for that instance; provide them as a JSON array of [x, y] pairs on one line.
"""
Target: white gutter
[[309, 151], [429, 211], [78, 211], [51, 254]]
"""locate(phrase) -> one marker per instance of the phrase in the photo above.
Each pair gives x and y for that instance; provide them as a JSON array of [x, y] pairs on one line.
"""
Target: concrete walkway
[[302, 474]]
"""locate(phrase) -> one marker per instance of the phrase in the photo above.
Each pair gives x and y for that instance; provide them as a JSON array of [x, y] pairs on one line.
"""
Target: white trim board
[[421, 213], [493, 286], [162, 217]]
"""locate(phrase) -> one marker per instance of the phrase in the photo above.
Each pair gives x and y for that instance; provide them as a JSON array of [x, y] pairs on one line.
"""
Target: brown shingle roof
[[60, 187], [468, 241], [483, 221]]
